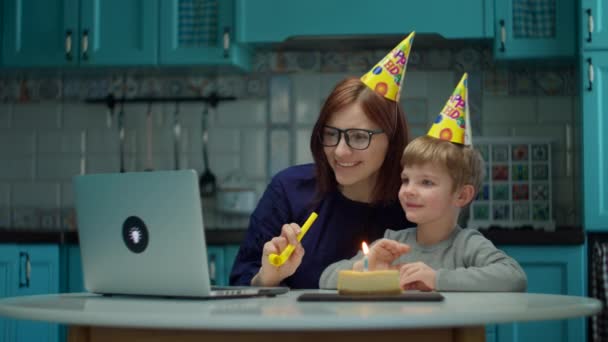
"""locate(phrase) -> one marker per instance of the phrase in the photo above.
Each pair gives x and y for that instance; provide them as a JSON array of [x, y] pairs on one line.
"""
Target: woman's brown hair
[[386, 114]]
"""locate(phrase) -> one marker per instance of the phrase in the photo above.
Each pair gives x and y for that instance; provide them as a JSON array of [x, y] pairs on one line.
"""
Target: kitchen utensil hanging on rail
[[177, 132], [121, 135], [149, 165], [206, 181]]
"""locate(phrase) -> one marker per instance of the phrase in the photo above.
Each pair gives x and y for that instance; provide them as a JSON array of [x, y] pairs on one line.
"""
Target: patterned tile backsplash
[[49, 134]]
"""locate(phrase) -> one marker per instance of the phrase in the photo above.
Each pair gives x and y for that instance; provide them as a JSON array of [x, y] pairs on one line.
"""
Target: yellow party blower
[[278, 260]]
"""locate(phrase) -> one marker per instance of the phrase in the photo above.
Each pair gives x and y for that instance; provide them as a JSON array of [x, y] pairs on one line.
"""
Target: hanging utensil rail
[[110, 100]]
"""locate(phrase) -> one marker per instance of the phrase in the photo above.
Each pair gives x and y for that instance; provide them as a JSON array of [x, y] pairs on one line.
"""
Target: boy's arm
[[487, 268], [329, 277]]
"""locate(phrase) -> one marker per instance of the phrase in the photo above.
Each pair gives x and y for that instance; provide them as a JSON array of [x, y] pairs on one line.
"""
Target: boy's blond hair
[[463, 163]]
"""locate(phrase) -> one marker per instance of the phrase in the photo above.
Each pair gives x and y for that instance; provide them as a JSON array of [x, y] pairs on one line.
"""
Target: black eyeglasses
[[356, 138]]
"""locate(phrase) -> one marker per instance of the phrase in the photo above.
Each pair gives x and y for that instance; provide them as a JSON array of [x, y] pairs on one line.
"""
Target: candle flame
[[365, 248]]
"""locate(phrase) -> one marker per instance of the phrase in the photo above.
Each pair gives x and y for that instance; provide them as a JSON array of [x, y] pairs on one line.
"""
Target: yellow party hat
[[452, 124], [386, 77]]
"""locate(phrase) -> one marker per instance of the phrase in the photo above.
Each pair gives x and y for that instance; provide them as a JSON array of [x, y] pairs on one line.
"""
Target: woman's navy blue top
[[335, 235]]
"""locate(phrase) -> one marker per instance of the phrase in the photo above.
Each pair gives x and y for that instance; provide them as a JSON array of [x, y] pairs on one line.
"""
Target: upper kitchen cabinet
[[40, 33], [271, 21], [594, 70], [593, 24], [534, 29], [200, 32]]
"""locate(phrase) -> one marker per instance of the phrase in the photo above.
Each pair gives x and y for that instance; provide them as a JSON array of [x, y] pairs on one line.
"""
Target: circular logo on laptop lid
[[135, 234]]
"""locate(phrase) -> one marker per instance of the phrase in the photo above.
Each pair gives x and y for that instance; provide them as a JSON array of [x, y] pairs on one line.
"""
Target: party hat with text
[[453, 124], [386, 77]]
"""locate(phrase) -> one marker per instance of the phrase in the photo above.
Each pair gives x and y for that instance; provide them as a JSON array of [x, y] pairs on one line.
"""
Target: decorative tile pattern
[[520, 152], [501, 212], [521, 211], [500, 153], [540, 172], [520, 192], [520, 184], [520, 172]]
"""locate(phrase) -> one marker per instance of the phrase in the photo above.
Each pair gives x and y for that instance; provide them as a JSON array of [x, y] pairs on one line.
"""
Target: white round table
[[461, 316]]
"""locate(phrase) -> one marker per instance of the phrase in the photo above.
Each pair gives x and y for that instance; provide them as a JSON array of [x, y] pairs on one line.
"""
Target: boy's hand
[[417, 276], [384, 252]]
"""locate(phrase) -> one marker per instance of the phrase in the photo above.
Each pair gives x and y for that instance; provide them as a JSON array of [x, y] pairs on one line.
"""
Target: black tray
[[413, 296]]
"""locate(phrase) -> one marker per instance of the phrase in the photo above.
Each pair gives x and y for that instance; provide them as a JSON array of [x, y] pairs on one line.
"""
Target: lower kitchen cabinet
[[220, 259], [551, 270], [28, 270], [230, 252]]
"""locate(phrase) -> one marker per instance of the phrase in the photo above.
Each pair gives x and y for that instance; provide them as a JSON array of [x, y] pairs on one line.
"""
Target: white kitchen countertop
[[285, 313]]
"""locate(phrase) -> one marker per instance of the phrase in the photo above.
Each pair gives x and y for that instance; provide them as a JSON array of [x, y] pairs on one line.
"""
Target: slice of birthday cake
[[367, 283]]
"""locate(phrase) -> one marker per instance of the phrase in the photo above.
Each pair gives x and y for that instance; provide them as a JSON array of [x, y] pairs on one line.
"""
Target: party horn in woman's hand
[[278, 260]]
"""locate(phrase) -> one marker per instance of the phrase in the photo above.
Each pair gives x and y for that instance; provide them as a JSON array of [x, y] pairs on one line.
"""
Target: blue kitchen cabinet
[[28, 270], [41, 33], [72, 279], [593, 24], [38, 32], [594, 90], [534, 29], [551, 270], [215, 259], [201, 33], [270, 21], [230, 252], [8, 278], [119, 32]]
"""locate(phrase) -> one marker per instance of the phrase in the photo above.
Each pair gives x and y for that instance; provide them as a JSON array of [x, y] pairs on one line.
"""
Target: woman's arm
[[264, 224]]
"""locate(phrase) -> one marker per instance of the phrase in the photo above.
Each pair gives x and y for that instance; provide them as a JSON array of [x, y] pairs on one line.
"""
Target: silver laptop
[[142, 233]]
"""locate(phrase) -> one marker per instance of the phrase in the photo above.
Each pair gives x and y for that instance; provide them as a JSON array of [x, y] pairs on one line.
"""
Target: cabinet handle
[[68, 45], [589, 24], [85, 44], [590, 74], [226, 40], [503, 35], [28, 270]]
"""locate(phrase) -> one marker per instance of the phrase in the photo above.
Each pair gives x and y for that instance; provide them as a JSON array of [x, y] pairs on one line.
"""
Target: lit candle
[[365, 252]]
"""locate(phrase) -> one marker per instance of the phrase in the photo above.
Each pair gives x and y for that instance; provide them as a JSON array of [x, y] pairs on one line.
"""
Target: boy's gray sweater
[[466, 261]]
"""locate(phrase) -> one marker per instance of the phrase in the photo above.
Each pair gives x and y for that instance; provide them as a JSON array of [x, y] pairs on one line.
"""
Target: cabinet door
[[8, 279], [230, 253], [41, 278], [119, 32], [200, 32], [39, 32], [551, 270], [595, 140], [215, 258], [534, 29], [75, 275], [593, 29]]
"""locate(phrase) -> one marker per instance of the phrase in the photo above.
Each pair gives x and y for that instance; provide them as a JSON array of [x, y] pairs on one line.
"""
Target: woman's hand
[[270, 275], [417, 276], [382, 254]]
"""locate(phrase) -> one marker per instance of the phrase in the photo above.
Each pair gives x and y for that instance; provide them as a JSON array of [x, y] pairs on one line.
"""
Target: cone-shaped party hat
[[386, 77], [452, 124]]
